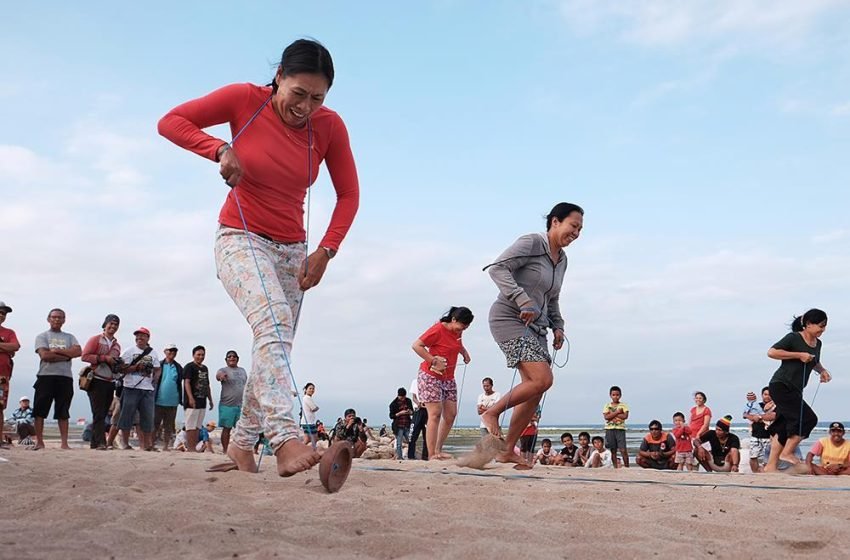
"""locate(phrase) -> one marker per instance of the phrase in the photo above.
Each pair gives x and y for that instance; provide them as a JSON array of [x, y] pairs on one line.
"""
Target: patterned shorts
[[758, 449], [524, 349], [433, 389]]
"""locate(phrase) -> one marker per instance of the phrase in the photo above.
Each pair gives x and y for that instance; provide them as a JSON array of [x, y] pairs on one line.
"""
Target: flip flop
[[222, 467]]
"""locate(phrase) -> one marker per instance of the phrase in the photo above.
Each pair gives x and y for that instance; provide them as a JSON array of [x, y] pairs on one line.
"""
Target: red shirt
[[440, 341], [683, 439], [6, 336], [697, 420], [274, 160]]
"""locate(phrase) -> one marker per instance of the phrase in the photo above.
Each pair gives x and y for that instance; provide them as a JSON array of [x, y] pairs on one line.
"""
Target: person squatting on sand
[[833, 451], [529, 275], [270, 167], [101, 352], [439, 347], [725, 452], [799, 351]]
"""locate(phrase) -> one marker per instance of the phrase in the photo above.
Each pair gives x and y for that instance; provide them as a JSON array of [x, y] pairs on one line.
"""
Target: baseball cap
[[141, 330], [836, 426], [170, 347], [24, 398], [4, 307]]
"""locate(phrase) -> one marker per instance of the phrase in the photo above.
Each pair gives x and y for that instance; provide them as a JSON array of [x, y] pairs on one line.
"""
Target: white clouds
[[841, 110], [666, 23], [831, 236]]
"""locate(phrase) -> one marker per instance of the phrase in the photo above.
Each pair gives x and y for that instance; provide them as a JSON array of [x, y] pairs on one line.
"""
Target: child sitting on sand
[[684, 444], [569, 455], [546, 455], [584, 448], [600, 458]]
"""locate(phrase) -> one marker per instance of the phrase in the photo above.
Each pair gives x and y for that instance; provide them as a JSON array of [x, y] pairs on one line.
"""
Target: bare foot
[[65, 446], [37, 446], [441, 456], [293, 457], [244, 459], [491, 422], [791, 459], [509, 457]]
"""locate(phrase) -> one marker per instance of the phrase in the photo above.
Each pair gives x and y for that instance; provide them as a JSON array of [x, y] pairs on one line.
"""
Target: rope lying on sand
[[512, 475]]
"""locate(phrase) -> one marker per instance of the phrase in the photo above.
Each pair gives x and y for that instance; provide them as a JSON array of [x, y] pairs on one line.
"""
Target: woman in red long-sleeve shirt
[[282, 132]]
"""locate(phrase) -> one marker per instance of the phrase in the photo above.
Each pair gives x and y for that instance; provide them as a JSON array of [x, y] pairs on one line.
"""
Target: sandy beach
[[132, 504]]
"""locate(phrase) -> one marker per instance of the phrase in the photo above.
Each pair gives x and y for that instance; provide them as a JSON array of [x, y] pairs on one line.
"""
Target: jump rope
[[248, 236]]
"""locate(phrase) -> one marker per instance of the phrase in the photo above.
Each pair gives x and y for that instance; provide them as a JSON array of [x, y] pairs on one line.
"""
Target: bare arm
[[9, 347], [70, 353]]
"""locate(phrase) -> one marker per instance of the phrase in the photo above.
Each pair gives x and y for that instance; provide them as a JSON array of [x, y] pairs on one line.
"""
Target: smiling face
[[765, 397], [815, 329], [299, 96], [198, 356], [837, 436], [567, 441], [309, 390], [456, 326], [142, 340], [699, 399], [232, 360], [563, 232], [110, 329]]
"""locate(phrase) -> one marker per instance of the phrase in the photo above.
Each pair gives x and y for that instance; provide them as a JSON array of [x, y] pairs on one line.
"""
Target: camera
[[117, 364]]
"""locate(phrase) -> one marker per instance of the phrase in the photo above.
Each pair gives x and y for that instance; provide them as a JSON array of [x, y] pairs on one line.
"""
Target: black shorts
[[56, 391]]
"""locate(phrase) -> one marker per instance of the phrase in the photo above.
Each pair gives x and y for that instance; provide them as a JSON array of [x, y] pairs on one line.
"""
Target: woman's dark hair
[[307, 386], [306, 56], [704, 398], [811, 316], [561, 211], [459, 314], [199, 347]]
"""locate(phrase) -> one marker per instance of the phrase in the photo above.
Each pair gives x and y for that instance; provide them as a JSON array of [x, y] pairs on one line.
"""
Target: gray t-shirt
[[232, 387], [51, 340]]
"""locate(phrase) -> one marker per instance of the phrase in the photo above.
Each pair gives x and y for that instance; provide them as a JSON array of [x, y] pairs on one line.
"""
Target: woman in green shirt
[[799, 352]]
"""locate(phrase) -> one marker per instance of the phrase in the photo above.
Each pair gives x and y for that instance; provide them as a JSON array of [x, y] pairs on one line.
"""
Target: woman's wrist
[[221, 149]]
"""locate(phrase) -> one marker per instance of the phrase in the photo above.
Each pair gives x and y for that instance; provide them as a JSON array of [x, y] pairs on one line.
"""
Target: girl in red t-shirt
[[439, 347]]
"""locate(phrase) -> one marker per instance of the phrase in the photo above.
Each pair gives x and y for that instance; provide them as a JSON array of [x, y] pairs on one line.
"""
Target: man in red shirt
[[8, 346]]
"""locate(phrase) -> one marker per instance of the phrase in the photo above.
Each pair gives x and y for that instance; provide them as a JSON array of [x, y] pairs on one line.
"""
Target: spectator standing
[[54, 385], [196, 384], [419, 422], [615, 414], [485, 400], [8, 346], [101, 351], [233, 379], [142, 371], [759, 414], [401, 411], [167, 397]]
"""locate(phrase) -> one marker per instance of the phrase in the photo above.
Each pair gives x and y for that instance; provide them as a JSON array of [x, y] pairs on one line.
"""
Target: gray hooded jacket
[[527, 277]]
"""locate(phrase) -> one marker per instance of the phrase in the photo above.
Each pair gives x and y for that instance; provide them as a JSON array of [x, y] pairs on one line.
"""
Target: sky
[[707, 142]]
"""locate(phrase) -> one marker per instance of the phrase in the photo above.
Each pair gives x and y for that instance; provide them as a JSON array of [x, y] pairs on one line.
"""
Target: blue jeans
[[400, 434]]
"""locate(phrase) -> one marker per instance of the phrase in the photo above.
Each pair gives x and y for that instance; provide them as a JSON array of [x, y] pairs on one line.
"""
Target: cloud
[[831, 237], [667, 23], [841, 110]]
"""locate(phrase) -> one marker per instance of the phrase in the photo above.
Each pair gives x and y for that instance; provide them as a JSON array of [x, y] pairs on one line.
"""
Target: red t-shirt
[[683, 439], [697, 420], [6, 336], [274, 160], [529, 430], [440, 341]]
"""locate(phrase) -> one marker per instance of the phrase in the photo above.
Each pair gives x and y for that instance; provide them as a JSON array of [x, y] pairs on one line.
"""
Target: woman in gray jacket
[[529, 276]]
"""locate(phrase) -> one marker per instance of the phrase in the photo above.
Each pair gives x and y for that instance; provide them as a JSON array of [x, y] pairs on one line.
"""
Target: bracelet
[[220, 152]]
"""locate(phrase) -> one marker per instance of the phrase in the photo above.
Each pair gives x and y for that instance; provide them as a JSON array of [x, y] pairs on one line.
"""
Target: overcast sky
[[706, 140]]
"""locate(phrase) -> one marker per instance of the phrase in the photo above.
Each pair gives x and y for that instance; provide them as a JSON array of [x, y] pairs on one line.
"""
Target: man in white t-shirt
[[141, 375], [486, 400], [420, 418]]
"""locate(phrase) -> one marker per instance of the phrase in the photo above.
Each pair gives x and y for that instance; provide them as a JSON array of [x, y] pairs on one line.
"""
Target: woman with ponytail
[[799, 352], [529, 276], [439, 347]]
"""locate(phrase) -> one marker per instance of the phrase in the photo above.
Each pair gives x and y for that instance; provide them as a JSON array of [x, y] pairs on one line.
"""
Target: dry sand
[[131, 504]]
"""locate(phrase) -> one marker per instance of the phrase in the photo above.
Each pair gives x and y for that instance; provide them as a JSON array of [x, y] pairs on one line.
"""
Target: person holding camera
[[141, 374], [102, 351]]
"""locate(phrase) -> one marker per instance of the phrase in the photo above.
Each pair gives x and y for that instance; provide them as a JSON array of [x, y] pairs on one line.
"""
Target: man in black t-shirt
[[725, 448], [196, 387]]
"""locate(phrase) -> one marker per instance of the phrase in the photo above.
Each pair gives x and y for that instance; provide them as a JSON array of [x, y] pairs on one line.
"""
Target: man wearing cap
[[54, 385], [658, 449], [101, 351], [142, 370], [167, 397], [8, 346], [24, 421], [725, 448], [833, 451]]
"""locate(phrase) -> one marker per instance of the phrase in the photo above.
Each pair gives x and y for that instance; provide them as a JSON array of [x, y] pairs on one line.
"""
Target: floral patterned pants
[[267, 404]]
